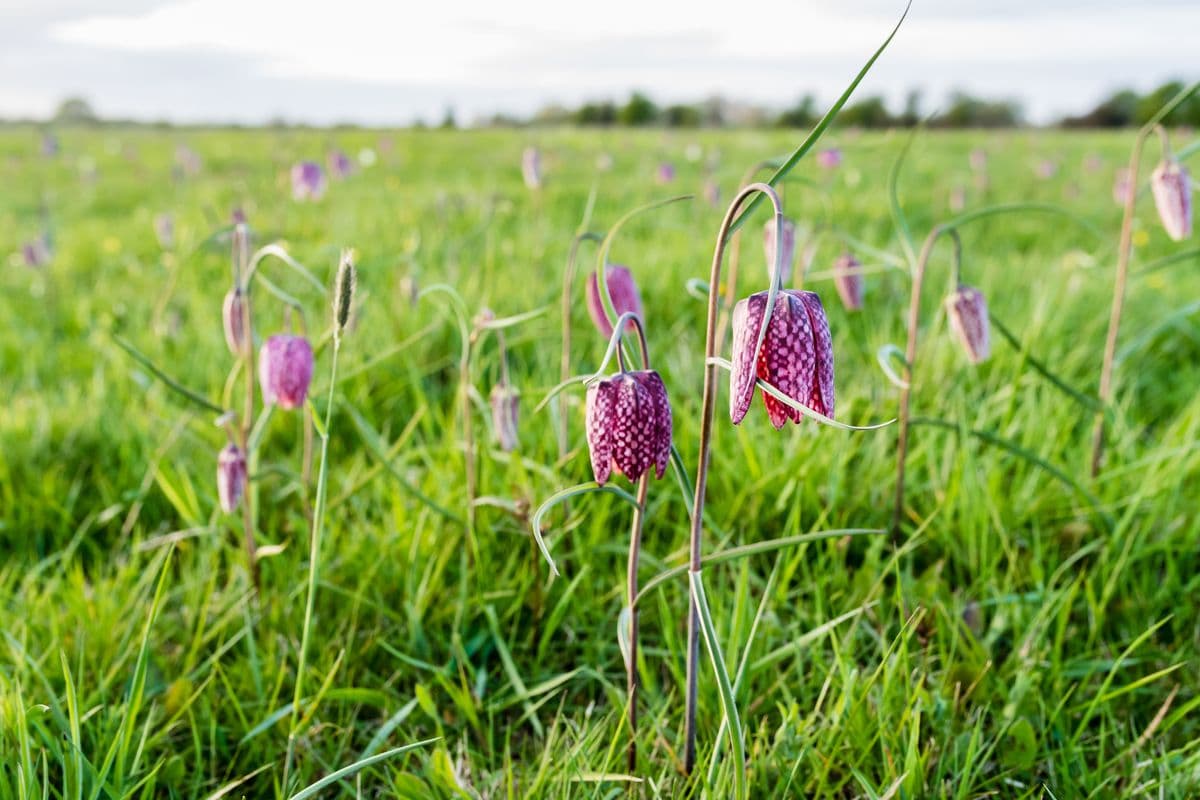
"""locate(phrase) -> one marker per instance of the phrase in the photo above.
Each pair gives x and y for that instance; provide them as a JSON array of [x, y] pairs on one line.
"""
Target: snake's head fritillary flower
[[308, 181], [665, 173], [796, 356], [1046, 169], [847, 279], [629, 425], [1122, 186], [789, 249], [231, 477], [830, 158], [36, 252], [712, 193], [1172, 188], [340, 165], [233, 316], [967, 310], [623, 292], [506, 405], [285, 368], [238, 216], [531, 167], [164, 229]]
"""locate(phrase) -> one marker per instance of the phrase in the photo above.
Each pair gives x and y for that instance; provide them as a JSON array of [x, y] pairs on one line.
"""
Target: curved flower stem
[[241, 262], [910, 355], [1124, 247], [711, 344], [631, 593], [565, 362], [735, 254], [458, 308]]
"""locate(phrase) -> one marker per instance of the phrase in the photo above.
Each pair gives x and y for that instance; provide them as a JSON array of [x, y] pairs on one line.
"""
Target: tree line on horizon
[[1121, 108]]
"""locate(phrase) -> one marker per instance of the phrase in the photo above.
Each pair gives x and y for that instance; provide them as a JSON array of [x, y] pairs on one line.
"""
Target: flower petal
[[787, 359], [600, 423], [747, 318], [660, 407], [633, 429], [821, 397]]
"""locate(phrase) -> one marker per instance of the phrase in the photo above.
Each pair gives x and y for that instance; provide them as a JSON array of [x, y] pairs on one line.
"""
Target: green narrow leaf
[[728, 701], [345, 772], [562, 496], [171, 383]]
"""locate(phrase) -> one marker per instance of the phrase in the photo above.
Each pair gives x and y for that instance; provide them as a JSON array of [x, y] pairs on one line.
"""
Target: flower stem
[[631, 593], [706, 423], [910, 355], [314, 563], [240, 246]]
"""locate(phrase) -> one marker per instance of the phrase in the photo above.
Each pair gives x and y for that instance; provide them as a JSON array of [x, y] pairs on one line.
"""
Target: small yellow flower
[[111, 245], [1141, 239], [1156, 282]]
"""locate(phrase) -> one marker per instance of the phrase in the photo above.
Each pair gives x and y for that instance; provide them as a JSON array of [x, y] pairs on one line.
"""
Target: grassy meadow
[[1031, 633]]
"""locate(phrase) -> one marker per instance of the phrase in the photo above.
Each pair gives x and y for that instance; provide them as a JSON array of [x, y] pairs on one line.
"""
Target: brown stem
[[631, 591], [711, 343], [735, 252], [1124, 247], [910, 355]]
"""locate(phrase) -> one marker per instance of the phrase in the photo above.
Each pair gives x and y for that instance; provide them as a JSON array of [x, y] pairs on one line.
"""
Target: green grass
[[1011, 645]]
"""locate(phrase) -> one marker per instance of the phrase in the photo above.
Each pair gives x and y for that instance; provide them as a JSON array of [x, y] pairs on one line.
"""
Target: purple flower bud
[[623, 292], [629, 425], [506, 405], [847, 279], [666, 172], [796, 356], [979, 159], [968, 315], [1172, 188], [231, 477], [164, 229], [285, 368], [233, 315], [36, 252], [958, 199], [340, 165], [830, 158], [1122, 186], [238, 216], [531, 167], [308, 181], [789, 249]]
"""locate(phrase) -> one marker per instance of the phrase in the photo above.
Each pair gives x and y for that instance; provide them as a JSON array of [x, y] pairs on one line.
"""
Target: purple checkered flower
[[789, 249], [847, 279], [796, 356], [629, 425], [967, 310], [340, 165], [231, 477], [623, 292], [1172, 188], [308, 181], [285, 368]]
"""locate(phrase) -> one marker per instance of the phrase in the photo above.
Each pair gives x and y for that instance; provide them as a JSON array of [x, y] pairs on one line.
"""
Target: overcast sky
[[393, 61]]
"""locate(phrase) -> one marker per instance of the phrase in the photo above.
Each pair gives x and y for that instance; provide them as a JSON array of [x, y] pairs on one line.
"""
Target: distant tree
[[640, 110], [911, 116], [599, 113], [870, 112], [1115, 111], [682, 116], [801, 115], [966, 111], [448, 122], [75, 111], [1186, 113]]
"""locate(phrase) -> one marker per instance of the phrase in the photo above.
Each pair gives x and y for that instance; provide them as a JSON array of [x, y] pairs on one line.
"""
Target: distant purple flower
[[233, 317], [308, 181], [623, 292], [188, 160], [231, 477], [666, 172], [789, 249], [847, 279], [505, 402], [830, 158], [712, 193], [531, 167], [238, 216], [285, 368], [1172, 188], [1122, 186], [164, 229], [1092, 163], [958, 199], [604, 162], [35, 253], [968, 315], [629, 425], [340, 165], [978, 159], [49, 145], [796, 356], [1046, 168]]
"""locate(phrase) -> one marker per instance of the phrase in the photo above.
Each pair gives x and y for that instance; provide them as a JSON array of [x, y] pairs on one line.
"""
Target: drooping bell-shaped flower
[[789, 249], [796, 356], [629, 425], [231, 477], [36, 252], [847, 279], [238, 216], [665, 173], [1046, 169], [1172, 188], [308, 181], [164, 230], [967, 310], [340, 165], [506, 405], [830, 158], [1122, 186], [623, 292], [712, 193], [285, 368], [531, 167], [233, 315], [979, 159]]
